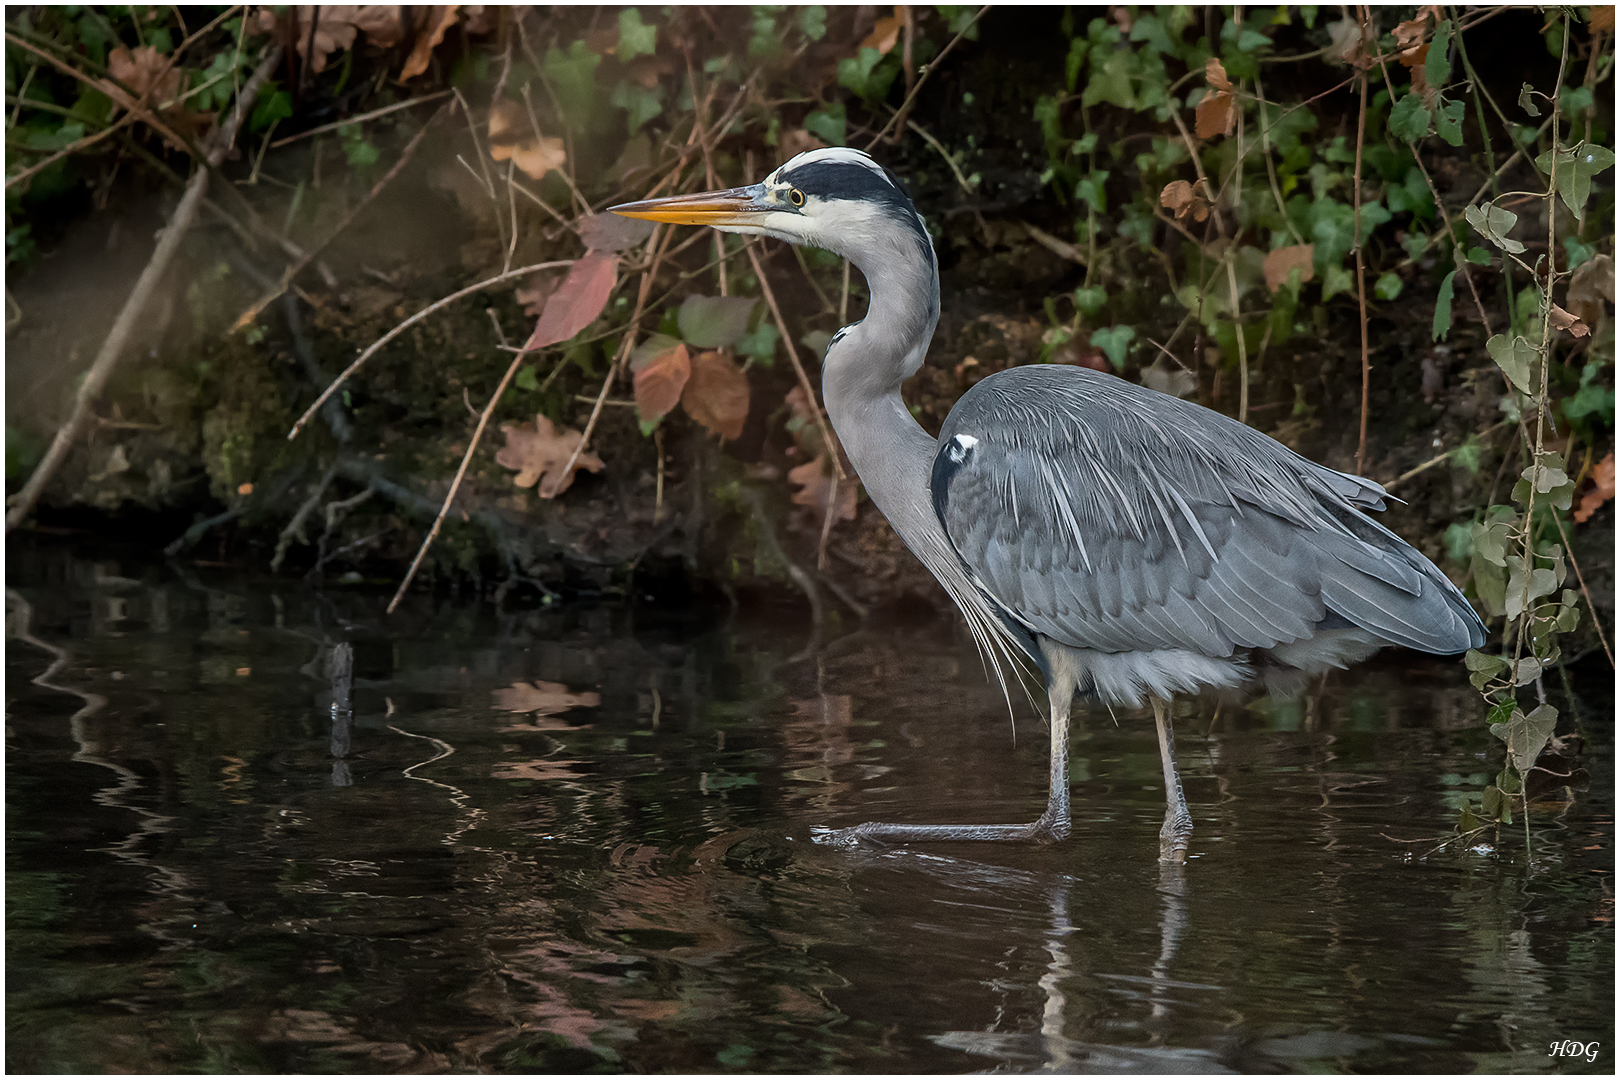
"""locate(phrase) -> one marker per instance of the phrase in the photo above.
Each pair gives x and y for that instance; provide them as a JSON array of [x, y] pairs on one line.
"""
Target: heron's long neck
[[861, 384]]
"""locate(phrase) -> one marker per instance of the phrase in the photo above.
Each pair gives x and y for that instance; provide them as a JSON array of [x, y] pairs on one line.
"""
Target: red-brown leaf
[[659, 382], [716, 395], [577, 301]]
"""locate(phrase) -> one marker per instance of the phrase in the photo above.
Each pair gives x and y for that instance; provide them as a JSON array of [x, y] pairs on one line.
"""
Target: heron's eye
[[796, 197]]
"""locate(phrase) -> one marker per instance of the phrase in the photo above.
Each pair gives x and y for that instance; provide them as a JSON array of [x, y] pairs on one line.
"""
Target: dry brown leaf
[[383, 24], [796, 142], [1591, 285], [544, 698], [143, 71], [577, 301], [1215, 75], [540, 769], [334, 31], [1602, 17], [1278, 264], [432, 23], [1183, 199], [806, 432], [1409, 34], [1563, 320], [716, 395], [884, 34], [1215, 116], [541, 453], [1603, 477], [511, 135], [818, 486], [659, 382]]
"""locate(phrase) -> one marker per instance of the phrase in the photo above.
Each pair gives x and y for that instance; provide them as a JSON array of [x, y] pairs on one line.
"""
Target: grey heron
[[1125, 542]]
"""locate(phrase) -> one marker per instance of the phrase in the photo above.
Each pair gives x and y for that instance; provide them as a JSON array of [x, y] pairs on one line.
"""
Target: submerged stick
[[112, 349]]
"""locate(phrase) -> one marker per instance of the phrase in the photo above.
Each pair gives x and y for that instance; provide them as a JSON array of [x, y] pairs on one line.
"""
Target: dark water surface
[[207, 871]]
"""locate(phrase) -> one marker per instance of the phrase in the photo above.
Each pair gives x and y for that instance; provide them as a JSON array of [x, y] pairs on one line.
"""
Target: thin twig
[[1438, 458], [827, 439], [1361, 271], [466, 459], [297, 267], [112, 349], [905, 106], [442, 302]]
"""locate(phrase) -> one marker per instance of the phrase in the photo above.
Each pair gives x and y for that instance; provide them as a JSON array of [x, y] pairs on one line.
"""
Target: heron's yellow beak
[[734, 206]]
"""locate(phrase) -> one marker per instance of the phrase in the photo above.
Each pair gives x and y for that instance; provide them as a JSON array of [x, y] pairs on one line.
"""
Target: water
[[208, 870]]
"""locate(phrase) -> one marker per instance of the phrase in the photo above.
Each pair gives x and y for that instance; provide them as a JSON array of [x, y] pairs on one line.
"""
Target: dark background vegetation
[[1037, 150]]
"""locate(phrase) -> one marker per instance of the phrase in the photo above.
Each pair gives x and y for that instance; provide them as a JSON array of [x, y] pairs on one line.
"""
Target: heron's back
[[1117, 520]]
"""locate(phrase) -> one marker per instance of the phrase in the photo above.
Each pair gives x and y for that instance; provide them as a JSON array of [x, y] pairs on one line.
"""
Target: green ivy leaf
[[524, 379], [1114, 341], [1448, 121], [270, 108], [1409, 120], [1527, 736], [713, 322], [1442, 308], [1090, 299], [639, 103], [1494, 223], [1576, 167], [1514, 358], [760, 343], [827, 123], [1437, 64], [812, 22], [636, 38], [1388, 287], [1090, 191], [1527, 100]]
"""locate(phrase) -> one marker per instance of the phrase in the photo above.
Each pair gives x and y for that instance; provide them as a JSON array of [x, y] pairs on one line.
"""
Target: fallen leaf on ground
[[432, 23], [545, 698], [540, 454], [818, 487], [716, 395], [480, 18], [659, 381], [1563, 320], [543, 769], [383, 24], [577, 301], [142, 70], [610, 232], [1278, 264], [1602, 17], [511, 135], [802, 424], [1184, 199], [1603, 478], [334, 31]]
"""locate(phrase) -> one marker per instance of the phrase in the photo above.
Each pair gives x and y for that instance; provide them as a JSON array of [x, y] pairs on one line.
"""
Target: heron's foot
[[1175, 835]]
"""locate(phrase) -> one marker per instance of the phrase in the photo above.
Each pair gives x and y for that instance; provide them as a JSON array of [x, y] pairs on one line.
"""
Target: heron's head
[[833, 198]]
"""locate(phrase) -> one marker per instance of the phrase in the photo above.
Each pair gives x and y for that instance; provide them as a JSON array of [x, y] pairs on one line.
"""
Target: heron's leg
[[1177, 828], [1052, 825]]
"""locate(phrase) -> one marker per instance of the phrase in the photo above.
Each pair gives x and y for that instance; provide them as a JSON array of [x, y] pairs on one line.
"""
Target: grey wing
[[1108, 517]]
